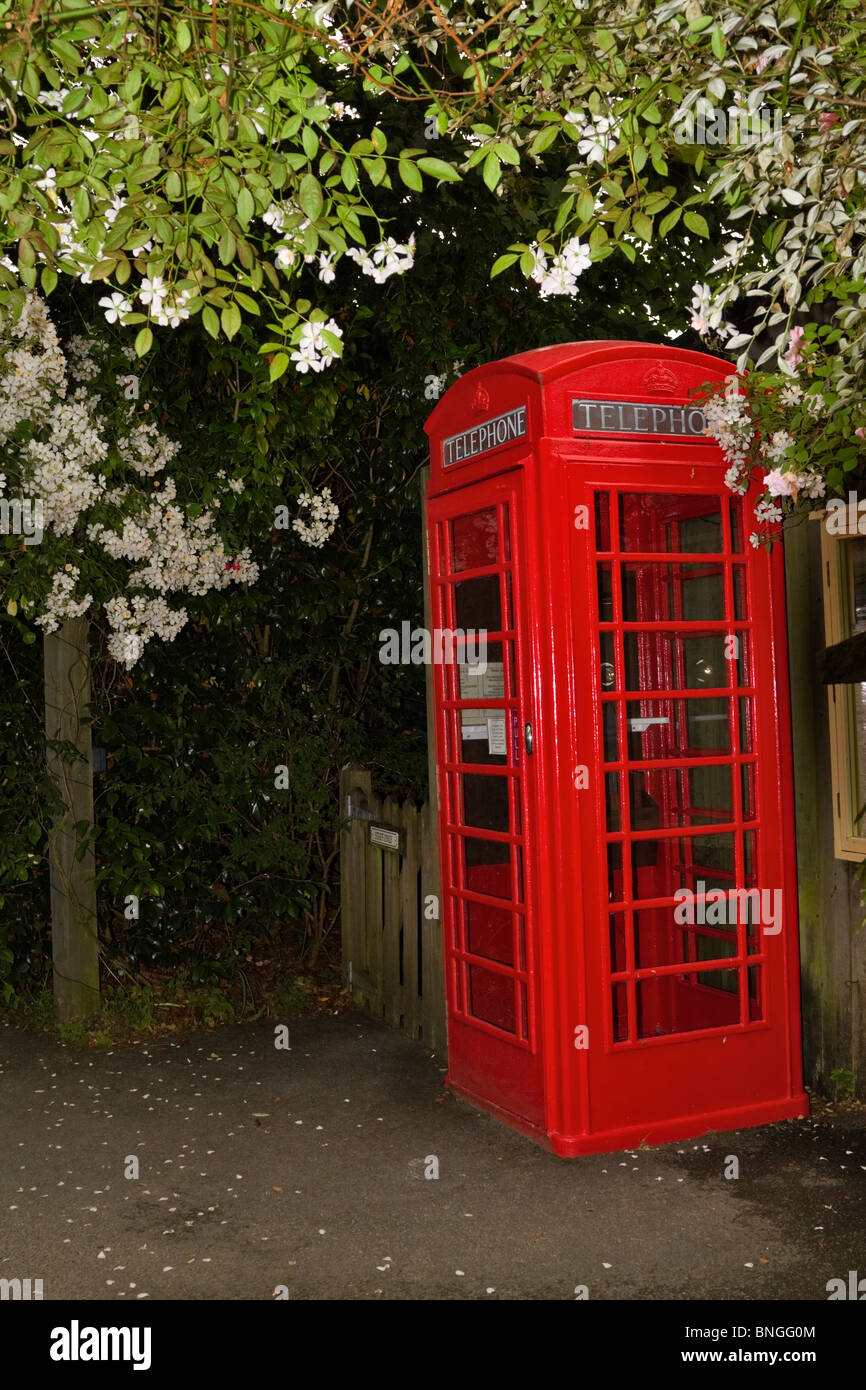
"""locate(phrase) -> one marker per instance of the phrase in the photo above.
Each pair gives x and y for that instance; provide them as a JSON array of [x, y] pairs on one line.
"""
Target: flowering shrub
[[99, 475], [323, 514], [781, 423]]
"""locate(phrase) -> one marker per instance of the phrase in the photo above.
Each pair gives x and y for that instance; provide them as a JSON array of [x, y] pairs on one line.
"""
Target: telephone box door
[[691, 982], [478, 579]]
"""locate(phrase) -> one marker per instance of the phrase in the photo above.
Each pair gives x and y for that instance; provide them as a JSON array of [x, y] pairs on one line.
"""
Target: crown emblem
[[481, 400], [660, 380]]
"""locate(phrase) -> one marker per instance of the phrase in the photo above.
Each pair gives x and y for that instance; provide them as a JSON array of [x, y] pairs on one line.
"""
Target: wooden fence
[[392, 941]]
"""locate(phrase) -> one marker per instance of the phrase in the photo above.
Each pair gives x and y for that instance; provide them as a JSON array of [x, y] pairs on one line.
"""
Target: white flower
[[115, 306], [576, 257], [153, 292], [313, 353], [323, 514], [599, 136], [386, 259], [778, 444], [326, 268]]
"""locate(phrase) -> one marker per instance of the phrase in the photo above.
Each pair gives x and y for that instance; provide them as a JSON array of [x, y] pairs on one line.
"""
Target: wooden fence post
[[433, 983], [74, 941]]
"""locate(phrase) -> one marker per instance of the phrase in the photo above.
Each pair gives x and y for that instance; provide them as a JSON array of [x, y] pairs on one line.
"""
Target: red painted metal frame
[[621, 1090]]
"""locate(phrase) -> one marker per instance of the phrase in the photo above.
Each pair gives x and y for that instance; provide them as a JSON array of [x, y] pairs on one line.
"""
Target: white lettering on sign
[[638, 417], [493, 434], [388, 839]]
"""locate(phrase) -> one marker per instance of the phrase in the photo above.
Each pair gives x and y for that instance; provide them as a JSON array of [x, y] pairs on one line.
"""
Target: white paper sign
[[496, 735]]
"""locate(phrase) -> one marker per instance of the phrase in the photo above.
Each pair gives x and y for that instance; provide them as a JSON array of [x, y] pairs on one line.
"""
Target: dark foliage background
[[287, 672]]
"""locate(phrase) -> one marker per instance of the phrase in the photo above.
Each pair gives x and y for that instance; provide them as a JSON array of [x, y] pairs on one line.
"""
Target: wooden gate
[[391, 910]]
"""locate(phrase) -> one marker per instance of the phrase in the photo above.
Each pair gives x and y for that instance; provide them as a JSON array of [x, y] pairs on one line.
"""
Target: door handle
[[527, 737]]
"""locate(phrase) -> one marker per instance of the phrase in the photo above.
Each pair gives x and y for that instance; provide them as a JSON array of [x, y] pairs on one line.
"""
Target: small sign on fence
[[386, 836]]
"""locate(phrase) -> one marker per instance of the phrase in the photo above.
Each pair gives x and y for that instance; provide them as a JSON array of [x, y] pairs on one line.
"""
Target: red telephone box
[[615, 780]]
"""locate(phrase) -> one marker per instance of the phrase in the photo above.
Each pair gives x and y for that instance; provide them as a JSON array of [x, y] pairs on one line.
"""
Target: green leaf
[[491, 171], [717, 41], [507, 153], [310, 142], [183, 35], [696, 223], [502, 263], [230, 318], [143, 341], [669, 220], [349, 173], [210, 321], [227, 247], [278, 365], [586, 206], [438, 169], [410, 175], [544, 139], [642, 225], [48, 279], [310, 197], [246, 206]]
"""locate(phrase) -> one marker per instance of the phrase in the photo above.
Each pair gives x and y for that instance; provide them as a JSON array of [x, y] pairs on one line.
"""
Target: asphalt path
[[303, 1173]]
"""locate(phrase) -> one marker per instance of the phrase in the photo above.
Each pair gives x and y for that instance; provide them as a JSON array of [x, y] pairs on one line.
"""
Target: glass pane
[[524, 1011], [756, 993], [675, 660], [662, 940], [619, 1003], [602, 521], [491, 998], [736, 525], [670, 522], [747, 773], [605, 594], [607, 667], [481, 737], [617, 942], [665, 593], [673, 796], [611, 800], [741, 603], [474, 540], [747, 723], [487, 867], [477, 603], [489, 932], [482, 676], [677, 1004], [485, 802], [677, 728], [610, 734], [662, 866]]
